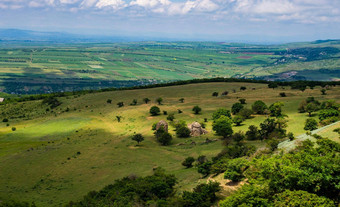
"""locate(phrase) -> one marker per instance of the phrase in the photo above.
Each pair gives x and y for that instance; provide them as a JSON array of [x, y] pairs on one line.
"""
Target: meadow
[[68, 67], [60, 154]]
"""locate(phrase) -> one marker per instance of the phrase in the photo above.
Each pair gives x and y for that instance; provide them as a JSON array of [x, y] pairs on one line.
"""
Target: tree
[[165, 138], [235, 169], [138, 138], [188, 162], [273, 85], [119, 118], [120, 104], [109, 101], [215, 94], [242, 100], [204, 168], [134, 102], [311, 107], [221, 112], [276, 109], [323, 91], [196, 109], [259, 107], [202, 195], [183, 132], [311, 124], [165, 113], [253, 133], [290, 136], [5, 120], [201, 159], [159, 100], [146, 100], [223, 126], [237, 107], [14, 129], [154, 110], [181, 100], [242, 88], [238, 137], [170, 117], [245, 113], [272, 144], [283, 94], [238, 120], [301, 198]]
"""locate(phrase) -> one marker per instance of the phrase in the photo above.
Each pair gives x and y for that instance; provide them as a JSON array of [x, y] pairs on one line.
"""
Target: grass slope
[[59, 155]]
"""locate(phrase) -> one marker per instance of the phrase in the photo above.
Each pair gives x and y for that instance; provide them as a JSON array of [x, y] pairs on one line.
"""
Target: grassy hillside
[[67, 67], [57, 155]]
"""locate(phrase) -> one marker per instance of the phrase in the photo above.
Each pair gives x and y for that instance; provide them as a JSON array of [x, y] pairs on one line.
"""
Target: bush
[[311, 124], [276, 109], [183, 132], [181, 100], [179, 111], [204, 168], [165, 113], [253, 133], [159, 100], [188, 162], [14, 129], [283, 94], [237, 107], [109, 101], [242, 88], [203, 195], [134, 102], [328, 113], [238, 137], [215, 94], [178, 124], [154, 110], [259, 107], [120, 104], [196, 109], [301, 198], [290, 136], [5, 120], [146, 100], [164, 138], [235, 169], [272, 144]]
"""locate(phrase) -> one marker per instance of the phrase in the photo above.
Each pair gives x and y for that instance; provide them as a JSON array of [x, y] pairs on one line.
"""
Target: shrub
[[146, 100], [181, 100], [183, 132], [196, 109], [283, 94], [138, 138], [204, 168], [154, 110], [242, 88], [236, 108], [235, 169], [14, 129], [119, 118], [205, 119], [225, 93], [238, 137], [272, 144], [134, 102], [109, 101], [179, 111], [290, 136], [165, 113], [170, 117], [215, 94], [5, 120], [165, 138], [202, 195], [311, 124], [253, 133], [323, 91], [188, 162], [259, 107], [301, 198], [328, 113], [276, 109]]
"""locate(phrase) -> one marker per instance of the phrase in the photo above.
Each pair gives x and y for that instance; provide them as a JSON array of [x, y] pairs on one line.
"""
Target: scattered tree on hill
[[14, 129], [242, 88], [236, 168], [245, 113], [323, 91], [203, 195], [120, 104], [154, 110], [253, 133], [138, 138], [188, 162], [238, 137], [53, 102], [290, 136], [159, 100], [272, 144], [273, 85], [183, 132], [215, 94], [221, 112], [204, 168], [170, 117], [109, 101], [238, 120], [225, 93], [276, 109], [242, 100], [311, 124], [259, 107], [146, 100], [301, 198], [179, 111], [5, 120], [165, 139], [311, 107], [196, 109], [283, 94], [201, 159], [236, 108], [223, 126], [165, 113], [181, 100], [134, 102], [119, 118]]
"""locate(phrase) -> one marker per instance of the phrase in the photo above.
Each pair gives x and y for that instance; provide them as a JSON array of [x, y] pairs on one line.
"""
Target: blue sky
[[218, 20]]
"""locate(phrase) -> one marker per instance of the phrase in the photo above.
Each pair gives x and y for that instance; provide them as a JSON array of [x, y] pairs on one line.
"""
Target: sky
[[215, 20]]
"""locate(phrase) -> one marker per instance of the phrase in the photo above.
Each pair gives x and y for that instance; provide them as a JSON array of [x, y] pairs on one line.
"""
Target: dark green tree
[[311, 124], [223, 126], [154, 110], [196, 109], [188, 162], [259, 107], [138, 138], [237, 107]]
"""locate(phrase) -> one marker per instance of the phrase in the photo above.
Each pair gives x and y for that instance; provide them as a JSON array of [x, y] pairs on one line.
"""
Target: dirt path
[[290, 145]]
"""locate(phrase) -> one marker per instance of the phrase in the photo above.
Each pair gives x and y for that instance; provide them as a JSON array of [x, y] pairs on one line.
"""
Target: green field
[[60, 154], [68, 67]]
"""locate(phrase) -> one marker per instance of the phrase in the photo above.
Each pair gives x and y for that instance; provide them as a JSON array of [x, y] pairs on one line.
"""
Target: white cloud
[[114, 4]]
